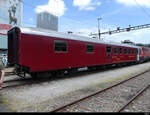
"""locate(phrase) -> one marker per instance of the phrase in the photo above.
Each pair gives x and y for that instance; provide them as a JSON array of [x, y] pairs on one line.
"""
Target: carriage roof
[[44, 32]]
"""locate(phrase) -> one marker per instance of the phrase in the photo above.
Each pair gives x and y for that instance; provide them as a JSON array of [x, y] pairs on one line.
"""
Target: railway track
[[9, 73], [24, 81], [77, 102], [135, 97]]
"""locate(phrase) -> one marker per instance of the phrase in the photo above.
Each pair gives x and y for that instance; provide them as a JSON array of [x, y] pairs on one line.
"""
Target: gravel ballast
[[113, 99]]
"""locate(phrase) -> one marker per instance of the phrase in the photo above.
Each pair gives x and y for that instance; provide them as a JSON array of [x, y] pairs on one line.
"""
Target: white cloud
[[55, 7], [86, 4], [144, 3]]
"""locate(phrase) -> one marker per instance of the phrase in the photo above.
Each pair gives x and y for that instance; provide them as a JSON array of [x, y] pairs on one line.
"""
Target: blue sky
[[80, 16]]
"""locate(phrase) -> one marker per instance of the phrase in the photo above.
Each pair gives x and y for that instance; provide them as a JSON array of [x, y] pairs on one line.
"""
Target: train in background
[[145, 54], [35, 51]]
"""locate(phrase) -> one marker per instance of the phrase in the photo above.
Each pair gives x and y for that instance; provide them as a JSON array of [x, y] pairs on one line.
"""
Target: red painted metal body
[[37, 53], [145, 54]]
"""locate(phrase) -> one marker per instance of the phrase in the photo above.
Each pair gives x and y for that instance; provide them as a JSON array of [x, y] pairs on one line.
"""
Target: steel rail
[[22, 84], [4, 87], [11, 86], [13, 80], [133, 98], [9, 73], [98, 92]]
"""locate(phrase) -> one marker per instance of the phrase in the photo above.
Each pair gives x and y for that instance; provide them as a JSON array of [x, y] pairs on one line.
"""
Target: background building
[[3, 37], [10, 15], [47, 21]]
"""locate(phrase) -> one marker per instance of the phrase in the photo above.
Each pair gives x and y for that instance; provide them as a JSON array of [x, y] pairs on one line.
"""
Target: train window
[[125, 51], [129, 51], [108, 49], [137, 51], [115, 51], [89, 48], [60, 46], [140, 51], [120, 50], [133, 51]]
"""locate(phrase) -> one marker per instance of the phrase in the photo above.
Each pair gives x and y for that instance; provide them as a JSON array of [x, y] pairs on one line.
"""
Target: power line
[[142, 9]]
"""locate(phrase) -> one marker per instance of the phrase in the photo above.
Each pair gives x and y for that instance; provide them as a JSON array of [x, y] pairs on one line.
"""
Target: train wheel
[[92, 68], [109, 66], [118, 65], [72, 71], [34, 75], [60, 73], [104, 67]]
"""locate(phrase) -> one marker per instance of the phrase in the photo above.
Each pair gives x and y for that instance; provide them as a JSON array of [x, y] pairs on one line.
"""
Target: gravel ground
[[113, 99], [10, 69], [46, 96], [142, 103]]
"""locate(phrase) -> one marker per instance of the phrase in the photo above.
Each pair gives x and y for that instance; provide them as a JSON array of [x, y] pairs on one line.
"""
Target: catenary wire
[[142, 9]]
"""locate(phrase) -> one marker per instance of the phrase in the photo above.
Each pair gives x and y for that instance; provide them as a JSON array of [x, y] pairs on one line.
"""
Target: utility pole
[[99, 34]]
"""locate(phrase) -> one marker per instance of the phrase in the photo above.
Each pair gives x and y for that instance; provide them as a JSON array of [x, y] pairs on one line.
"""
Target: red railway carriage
[[34, 50], [145, 54]]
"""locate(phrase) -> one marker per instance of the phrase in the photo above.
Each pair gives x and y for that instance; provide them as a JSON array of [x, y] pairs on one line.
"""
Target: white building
[[11, 12], [47, 21], [10, 15]]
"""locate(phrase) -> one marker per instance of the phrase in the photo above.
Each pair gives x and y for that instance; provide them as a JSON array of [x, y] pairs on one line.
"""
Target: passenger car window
[[60, 46], [129, 51], [108, 49], [125, 51], [120, 50], [133, 51], [89, 48], [115, 51]]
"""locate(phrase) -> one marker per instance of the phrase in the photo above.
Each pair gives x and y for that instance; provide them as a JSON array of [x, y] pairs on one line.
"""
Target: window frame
[[87, 50], [110, 49], [121, 49], [66, 43], [115, 52], [133, 51], [125, 51], [130, 51]]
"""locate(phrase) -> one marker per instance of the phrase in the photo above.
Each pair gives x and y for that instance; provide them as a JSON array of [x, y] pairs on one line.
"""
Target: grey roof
[[44, 32]]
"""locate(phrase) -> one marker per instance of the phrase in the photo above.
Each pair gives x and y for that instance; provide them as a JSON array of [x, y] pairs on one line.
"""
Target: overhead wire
[[142, 9]]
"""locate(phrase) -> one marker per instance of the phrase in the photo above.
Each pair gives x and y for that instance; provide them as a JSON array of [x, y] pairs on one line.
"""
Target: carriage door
[[108, 54], [13, 46]]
